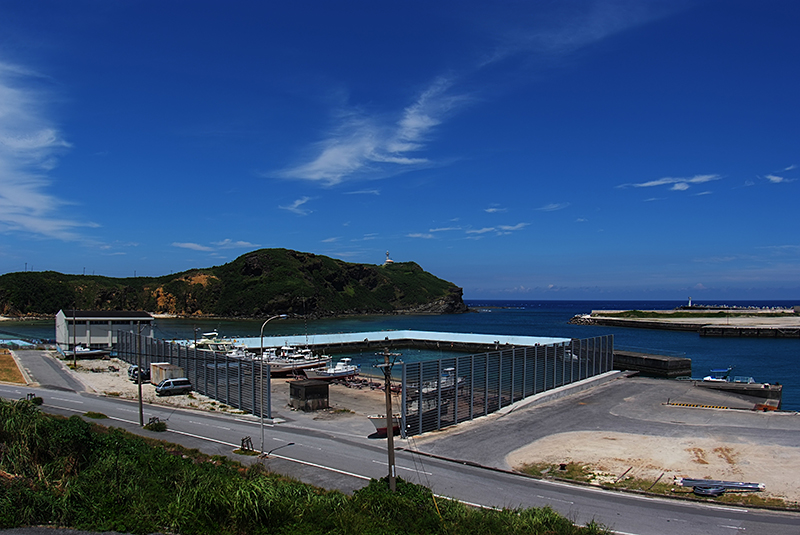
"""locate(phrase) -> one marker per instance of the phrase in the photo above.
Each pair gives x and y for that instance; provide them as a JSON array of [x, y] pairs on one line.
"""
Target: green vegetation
[[72, 473], [257, 284]]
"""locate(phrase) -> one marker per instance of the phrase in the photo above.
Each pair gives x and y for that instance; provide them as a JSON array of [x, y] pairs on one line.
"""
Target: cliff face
[[263, 282]]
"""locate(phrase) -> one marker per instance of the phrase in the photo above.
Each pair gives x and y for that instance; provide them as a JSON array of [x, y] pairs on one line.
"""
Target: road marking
[[68, 400], [403, 467], [554, 499], [732, 527]]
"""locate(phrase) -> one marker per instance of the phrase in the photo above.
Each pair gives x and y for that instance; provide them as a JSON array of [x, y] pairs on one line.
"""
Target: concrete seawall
[[740, 326]]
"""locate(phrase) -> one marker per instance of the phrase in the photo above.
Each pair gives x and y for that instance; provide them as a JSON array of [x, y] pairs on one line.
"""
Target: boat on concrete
[[288, 359], [768, 396], [341, 370], [379, 421], [81, 352]]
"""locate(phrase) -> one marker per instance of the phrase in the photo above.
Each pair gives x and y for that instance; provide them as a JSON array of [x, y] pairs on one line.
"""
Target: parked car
[[167, 387], [132, 373]]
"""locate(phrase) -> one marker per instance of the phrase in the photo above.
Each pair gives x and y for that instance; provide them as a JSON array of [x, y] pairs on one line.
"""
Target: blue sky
[[528, 150]]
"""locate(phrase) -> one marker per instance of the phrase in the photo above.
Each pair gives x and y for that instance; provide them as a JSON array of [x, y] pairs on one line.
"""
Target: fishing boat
[[343, 368], [289, 359], [769, 395], [379, 421], [81, 352], [211, 341]]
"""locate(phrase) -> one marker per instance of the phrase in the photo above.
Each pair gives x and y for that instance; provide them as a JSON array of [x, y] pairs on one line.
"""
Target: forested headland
[[257, 284]]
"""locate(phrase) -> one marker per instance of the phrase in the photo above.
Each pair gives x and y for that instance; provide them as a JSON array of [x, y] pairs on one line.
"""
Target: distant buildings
[[97, 329]]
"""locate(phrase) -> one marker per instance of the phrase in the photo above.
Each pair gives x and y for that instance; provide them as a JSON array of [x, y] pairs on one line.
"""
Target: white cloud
[[230, 244], [552, 207], [295, 207], [678, 184], [495, 210], [192, 246], [420, 235], [481, 230], [775, 179], [29, 149], [509, 228], [364, 192], [444, 229], [374, 146]]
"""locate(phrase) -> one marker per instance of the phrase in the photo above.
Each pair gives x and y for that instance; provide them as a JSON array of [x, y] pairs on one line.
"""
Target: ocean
[[765, 359]]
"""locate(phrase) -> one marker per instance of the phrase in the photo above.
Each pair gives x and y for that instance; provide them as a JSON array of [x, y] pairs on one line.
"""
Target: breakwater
[[739, 327]]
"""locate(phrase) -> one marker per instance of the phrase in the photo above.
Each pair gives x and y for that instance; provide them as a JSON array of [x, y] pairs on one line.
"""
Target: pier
[[763, 325], [445, 341]]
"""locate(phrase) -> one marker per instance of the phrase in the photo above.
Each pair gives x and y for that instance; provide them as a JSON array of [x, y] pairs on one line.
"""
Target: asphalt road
[[338, 453]]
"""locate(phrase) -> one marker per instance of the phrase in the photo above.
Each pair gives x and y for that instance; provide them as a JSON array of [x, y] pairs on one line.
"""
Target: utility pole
[[387, 374], [139, 370]]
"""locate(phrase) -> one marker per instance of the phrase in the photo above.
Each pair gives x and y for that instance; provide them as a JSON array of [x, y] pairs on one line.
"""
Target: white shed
[[97, 329]]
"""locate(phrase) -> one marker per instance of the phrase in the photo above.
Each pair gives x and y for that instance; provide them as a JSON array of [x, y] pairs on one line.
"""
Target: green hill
[[259, 283]]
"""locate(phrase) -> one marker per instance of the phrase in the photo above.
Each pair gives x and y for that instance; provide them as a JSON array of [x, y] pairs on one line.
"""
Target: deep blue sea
[[768, 360]]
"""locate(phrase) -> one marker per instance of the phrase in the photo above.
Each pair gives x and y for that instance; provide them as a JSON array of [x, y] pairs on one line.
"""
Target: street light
[[261, 376]]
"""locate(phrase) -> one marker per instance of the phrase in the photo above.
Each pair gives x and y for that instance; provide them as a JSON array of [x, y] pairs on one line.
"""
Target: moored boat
[[288, 359], [769, 395], [343, 368]]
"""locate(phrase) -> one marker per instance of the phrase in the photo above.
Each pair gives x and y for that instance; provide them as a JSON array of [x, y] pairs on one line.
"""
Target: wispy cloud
[[444, 229], [499, 230], [675, 183], [552, 207], [495, 209], [296, 206], [509, 228], [426, 236], [192, 246], [364, 192], [29, 150], [374, 146], [230, 244], [775, 179]]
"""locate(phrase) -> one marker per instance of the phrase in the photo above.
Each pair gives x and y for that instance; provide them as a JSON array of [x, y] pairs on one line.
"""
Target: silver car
[[180, 385]]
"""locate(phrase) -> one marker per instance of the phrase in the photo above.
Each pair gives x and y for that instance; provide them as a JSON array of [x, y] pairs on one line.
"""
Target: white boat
[[212, 342], [343, 368], [379, 421], [291, 360], [81, 352]]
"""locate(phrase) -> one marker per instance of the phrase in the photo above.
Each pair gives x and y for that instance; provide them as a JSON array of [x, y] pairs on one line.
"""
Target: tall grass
[[68, 472]]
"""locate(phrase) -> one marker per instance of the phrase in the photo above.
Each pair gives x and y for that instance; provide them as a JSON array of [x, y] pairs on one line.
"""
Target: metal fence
[[435, 393], [235, 382], [444, 392]]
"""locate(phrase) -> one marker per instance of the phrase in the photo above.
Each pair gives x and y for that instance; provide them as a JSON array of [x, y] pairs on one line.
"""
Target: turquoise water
[[769, 360]]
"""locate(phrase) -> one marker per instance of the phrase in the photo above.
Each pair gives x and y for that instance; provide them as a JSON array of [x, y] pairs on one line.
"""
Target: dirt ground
[[611, 454], [110, 377]]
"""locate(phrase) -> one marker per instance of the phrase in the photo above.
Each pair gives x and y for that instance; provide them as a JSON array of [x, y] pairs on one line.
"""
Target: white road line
[[68, 400], [402, 467], [554, 499]]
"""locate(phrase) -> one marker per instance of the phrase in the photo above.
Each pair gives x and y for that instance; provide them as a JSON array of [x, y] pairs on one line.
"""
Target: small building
[[97, 329], [308, 395]]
